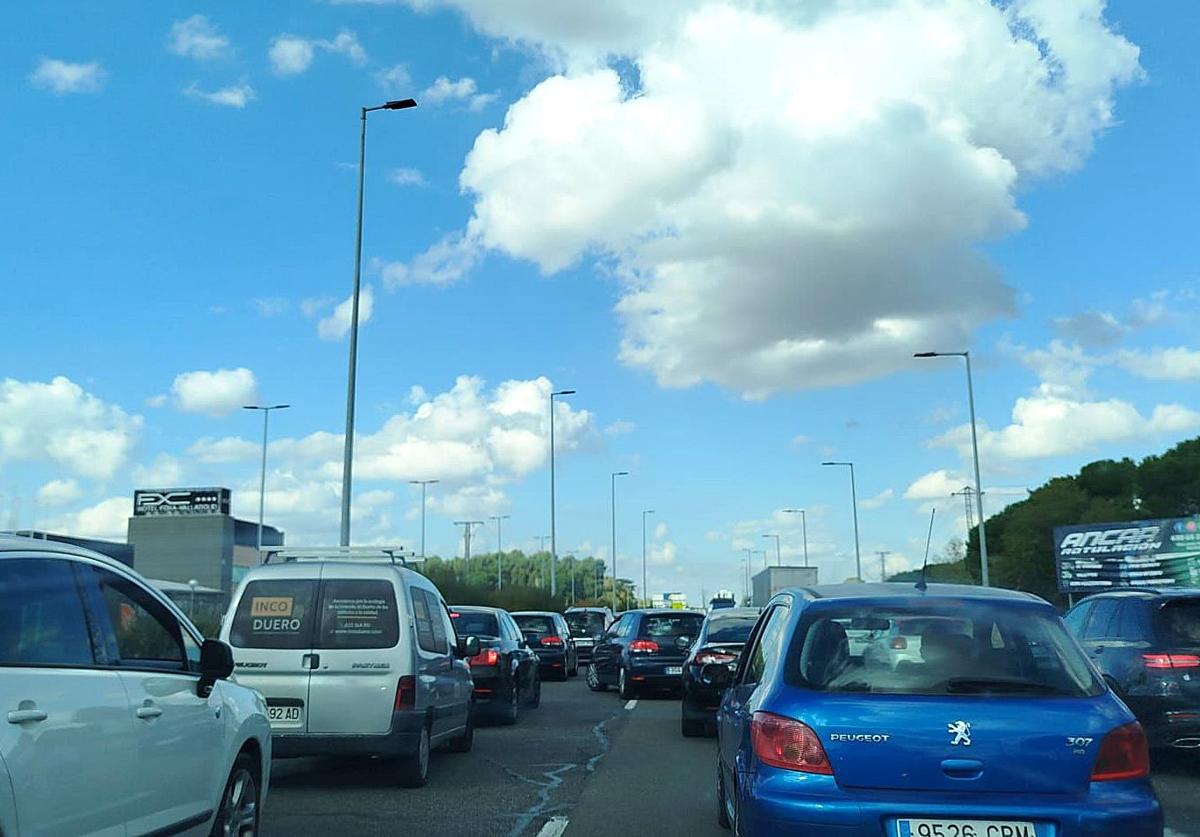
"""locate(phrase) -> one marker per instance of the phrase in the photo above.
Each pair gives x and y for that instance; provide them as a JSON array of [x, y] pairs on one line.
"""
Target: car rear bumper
[[653, 675], [490, 688], [771, 804], [700, 703], [1168, 722], [552, 659], [401, 740]]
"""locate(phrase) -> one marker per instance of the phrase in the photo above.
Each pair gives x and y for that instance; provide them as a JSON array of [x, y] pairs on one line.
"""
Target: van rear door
[[352, 690], [272, 630]]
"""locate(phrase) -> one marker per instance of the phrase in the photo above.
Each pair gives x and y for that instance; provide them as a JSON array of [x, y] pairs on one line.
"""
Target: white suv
[[116, 714]]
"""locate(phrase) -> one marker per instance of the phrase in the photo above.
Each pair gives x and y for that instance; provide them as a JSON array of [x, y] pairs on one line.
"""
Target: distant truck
[[722, 599], [770, 581]]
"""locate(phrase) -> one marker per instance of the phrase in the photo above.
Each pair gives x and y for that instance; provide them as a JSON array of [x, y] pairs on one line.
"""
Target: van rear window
[[275, 613], [358, 614]]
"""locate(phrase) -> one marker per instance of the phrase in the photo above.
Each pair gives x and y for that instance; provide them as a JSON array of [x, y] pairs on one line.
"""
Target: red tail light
[[1171, 660], [706, 657], [406, 692], [554, 641], [1123, 755], [787, 743], [898, 644], [486, 657], [643, 646]]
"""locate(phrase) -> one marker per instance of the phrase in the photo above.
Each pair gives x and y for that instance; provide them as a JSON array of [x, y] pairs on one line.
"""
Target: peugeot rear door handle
[[149, 712], [25, 716]]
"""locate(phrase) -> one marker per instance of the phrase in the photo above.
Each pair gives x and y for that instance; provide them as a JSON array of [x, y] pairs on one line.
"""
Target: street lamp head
[[648, 511], [400, 104], [563, 392], [620, 473], [835, 463], [925, 354]]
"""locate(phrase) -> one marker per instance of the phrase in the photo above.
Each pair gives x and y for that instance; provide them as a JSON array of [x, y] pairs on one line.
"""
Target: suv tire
[[624, 687], [511, 710], [535, 696], [412, 771], [593, 679], [240, 801], [466, 741]]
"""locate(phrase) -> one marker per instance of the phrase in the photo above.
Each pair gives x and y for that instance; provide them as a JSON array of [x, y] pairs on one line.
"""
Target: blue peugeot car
[[998, 727]]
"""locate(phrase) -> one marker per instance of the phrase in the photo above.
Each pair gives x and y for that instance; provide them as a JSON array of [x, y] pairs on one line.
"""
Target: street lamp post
[[262, 477], [613, 507], [983, 550], [854, 507], [348, 452], [778, 552], [553, 530], [645, 587], [746, 582], [499, 550], [803, 529], [423, 484], [193, 584], [763, 553]]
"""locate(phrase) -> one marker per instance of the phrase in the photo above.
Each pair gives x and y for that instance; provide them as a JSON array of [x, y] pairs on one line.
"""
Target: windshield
[[474, 623], [1180, 620], [535, 624], [730, 629], [978, 649], [585, 624]]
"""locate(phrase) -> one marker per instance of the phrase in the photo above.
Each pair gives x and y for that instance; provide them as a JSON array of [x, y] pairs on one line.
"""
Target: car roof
[[588, 610], [532, 613], [898, 590], [664, 611], [728, 612], [477, 609], [11, 543]]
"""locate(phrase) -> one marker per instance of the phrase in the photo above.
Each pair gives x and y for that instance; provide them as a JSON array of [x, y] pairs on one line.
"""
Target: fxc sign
[[171, 502]]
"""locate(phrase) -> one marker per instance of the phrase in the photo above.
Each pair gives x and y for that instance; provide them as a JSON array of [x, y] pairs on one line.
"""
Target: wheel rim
[[239, 810]]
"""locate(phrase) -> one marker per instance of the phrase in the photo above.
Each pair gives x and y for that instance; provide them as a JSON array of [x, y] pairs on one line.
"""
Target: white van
[[354, 658]]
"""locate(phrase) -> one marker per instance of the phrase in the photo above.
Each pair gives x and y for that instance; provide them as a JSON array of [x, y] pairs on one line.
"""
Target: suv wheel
[[574, 670], [464, 742], [535, 697], [238, 814], [512, 709], [624, 687], [413, 770], [593, 679]]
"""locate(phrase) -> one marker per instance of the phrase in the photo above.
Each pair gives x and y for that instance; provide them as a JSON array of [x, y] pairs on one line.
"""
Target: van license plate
[[285, 716], [964, 828], [674, 669]]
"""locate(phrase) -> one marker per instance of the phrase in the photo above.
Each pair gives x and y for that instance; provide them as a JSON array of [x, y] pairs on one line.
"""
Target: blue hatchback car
[[998, 727]]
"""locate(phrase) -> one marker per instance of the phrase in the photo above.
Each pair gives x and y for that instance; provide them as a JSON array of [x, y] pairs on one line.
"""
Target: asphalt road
[[582, 761]]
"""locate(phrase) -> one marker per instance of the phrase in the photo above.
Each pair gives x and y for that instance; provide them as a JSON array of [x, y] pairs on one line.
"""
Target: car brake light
[[1124, 754], [898, 644], [406, 692], [486, 657], [1171, 660], [552, 640], [643, 646], [787, 743], [706, 657]]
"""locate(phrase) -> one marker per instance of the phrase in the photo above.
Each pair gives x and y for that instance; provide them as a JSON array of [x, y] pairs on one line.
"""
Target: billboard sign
[[1135, 553], [180, 502]]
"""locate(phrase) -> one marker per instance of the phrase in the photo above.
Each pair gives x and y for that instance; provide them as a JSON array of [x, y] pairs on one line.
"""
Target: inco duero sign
[[172, 502], [1136, 553]]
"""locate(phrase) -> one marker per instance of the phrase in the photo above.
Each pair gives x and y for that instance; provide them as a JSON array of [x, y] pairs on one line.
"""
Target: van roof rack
[[395, 554]]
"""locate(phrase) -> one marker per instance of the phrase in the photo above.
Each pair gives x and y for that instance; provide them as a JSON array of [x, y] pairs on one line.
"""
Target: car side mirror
[[216, 663], [468, 646], [718, 675]]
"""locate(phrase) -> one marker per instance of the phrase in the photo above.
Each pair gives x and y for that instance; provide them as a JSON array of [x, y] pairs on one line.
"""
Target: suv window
[[544, 625], [358, 614], [1076, 619], [985, 649], [1180, 620], [1100, 625], [275, 614], [146, 633], [1131, 624], [584, 624], [42, 620]]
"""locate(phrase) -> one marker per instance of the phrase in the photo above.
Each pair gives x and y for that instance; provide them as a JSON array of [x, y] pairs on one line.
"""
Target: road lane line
[[631, 704], [554, 827]]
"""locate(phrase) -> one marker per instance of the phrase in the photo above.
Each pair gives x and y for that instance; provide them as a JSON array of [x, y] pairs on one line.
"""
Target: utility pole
[[424, 484], [882, 571], [499, 551], [467, 528]]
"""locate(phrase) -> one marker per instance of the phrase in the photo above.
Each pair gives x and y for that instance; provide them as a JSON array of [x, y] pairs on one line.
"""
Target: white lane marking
[[631, 705], [554, 827]]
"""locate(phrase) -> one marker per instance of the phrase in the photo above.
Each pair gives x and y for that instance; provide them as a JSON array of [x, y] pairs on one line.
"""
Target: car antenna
[[921, 585]]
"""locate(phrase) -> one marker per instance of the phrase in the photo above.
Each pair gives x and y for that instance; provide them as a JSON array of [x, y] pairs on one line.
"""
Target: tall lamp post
[[613, 508], [746, 582], [553, 530], [262, 477], [854, 508], [348, 452], [983, 550], [778, 551], [803, 529], [423, 484], [499, 550], [645, 588]]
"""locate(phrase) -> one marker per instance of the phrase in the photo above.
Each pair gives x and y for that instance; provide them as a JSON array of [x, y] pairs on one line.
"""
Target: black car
[[721, 639], [505, 671], [550, 638], [1147, 646], [587, 623], [644, 649]]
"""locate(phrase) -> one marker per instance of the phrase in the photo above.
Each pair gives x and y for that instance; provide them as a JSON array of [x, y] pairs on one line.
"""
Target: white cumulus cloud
[[215, 393], [337, 324], [292, 55], [464, 90], [197, 37], [61, 77], [59, 493], [234, 96]]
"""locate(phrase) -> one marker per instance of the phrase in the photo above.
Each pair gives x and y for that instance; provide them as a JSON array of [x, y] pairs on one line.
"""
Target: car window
[[1130, 623], [766, 646], [423, 620], [729, 629], [979, 649], [543, 625], [671, 626], [1077, 617], [358, 613], [585, 624], [1101, 624], [440, 622], [617, 629], [474, 623], [1180, 620], [147, 634], [42, 620], [277, 613]]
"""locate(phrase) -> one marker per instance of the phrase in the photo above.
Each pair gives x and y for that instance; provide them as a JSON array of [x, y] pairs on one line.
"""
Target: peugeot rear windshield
[[585, 624], [970, 648]]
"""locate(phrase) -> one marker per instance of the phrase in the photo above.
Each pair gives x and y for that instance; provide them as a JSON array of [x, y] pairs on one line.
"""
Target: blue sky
[[728, 245]]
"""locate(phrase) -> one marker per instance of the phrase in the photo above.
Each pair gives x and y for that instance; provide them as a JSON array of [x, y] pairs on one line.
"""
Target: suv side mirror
[[216, 663], [719, 675], [468, 646]]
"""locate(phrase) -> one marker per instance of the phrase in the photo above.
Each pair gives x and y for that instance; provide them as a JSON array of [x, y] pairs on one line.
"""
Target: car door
[[454, 675], [524, 659], [1096, 633], [429, 668], [571, 655], [606, 654], [66, 728], [1130, 639], [178, 736]]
